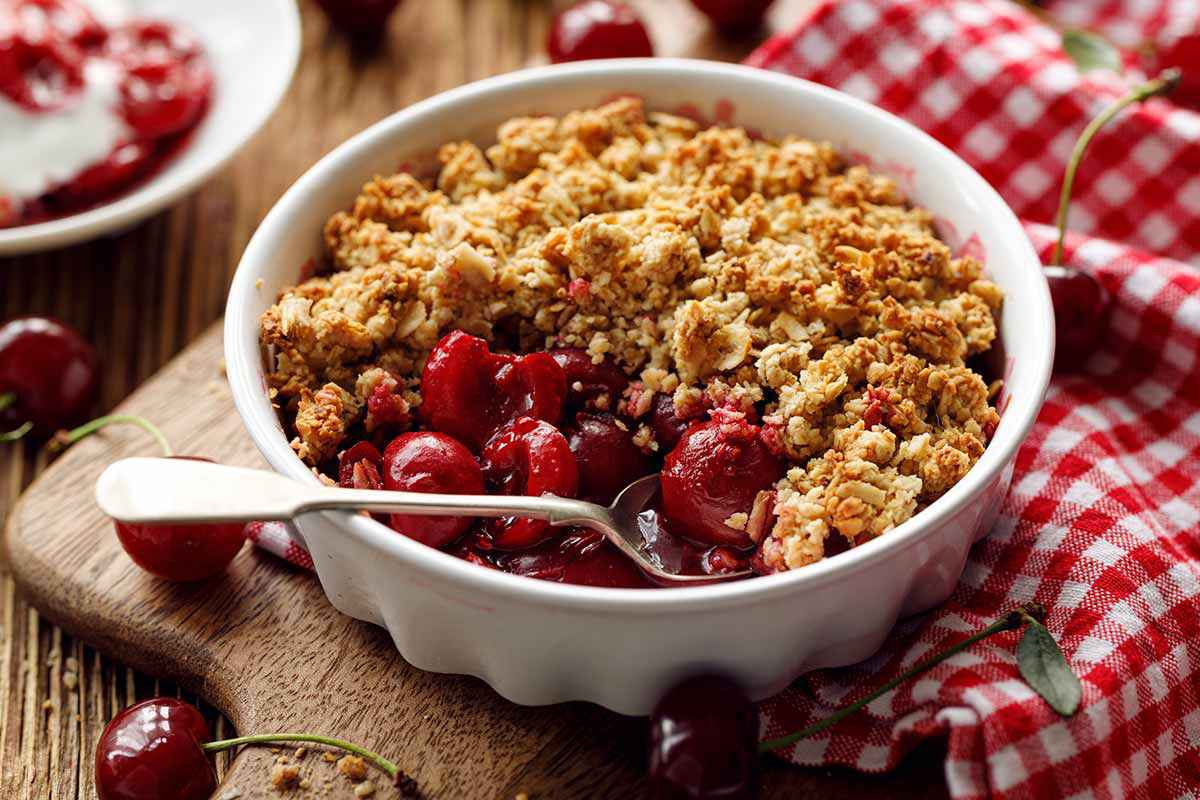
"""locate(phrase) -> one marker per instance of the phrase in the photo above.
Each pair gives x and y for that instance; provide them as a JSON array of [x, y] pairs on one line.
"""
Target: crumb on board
[[364, 789], [352, 767], [70, 680], [284, 776]]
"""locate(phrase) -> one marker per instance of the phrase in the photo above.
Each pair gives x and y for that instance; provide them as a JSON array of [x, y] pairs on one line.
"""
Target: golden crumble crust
[[718, 268]]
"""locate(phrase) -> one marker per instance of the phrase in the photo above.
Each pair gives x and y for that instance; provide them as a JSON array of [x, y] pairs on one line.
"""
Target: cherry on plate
[[39, 74], [1080, 315], [704, 742], [423, 461], [66, 19], [359, 18], [151, 751], [124, 165], [167, 78], [52, 372], [590, 385], [734, 17], [469, 392], [597, 29], [528, 457], [608, 459], [716, 471], [182, 553]]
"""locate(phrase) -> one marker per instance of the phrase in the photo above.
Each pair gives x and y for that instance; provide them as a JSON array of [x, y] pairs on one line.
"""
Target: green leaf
[[1090, 51], [1046, 671]]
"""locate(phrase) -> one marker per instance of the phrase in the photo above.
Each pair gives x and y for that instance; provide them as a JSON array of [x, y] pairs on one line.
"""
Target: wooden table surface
[[142, 296]]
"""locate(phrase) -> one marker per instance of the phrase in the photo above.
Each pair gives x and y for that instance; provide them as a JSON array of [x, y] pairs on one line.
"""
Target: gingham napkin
[[1101, 523]]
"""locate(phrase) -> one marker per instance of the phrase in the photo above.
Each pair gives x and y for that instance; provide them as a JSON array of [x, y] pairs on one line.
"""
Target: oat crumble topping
[[756, 277]]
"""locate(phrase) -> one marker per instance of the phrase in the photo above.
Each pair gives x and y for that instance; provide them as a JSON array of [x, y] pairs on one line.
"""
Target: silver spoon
[[182, 491]]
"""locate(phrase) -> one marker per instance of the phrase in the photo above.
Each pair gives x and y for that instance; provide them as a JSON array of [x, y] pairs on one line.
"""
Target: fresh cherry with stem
[[1081, 303], [49, 376], [159, 749], [179, 553]]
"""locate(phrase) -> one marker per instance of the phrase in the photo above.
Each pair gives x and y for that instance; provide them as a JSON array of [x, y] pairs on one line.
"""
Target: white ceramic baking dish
[[538, 642]]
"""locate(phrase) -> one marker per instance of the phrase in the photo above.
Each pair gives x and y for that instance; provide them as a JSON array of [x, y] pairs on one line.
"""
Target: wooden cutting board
[[263, 645]]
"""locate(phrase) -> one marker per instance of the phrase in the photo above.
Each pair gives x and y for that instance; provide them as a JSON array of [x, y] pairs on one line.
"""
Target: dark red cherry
[[734, 17], [151, 751], [608, 459], [668, 426], [359, 18], [716, 471], [182, 553], [359, 467], [52, 371], [590, 385], [579, 556], [1080, 316], [528, 457], [468, 392], [704, 742], [167, 78], [423, 461], [597, 29]]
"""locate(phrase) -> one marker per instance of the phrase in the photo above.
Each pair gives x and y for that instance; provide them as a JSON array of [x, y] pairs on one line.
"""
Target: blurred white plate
[[253, 48]]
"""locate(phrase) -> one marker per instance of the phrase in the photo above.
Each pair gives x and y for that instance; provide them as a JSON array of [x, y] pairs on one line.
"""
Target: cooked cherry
[[668, 426], [1080, 315], [66, 18], [528, 457], [581, 557], [468, 392], [125, 164], [608, 459], [423, 461], [182, 552], [716, 471], [39, 73], [590, 385], [597, 29], [359, 18], [51, 372], [167, 78], [734, 17], [359, 467], [151, 751], [704, 742]]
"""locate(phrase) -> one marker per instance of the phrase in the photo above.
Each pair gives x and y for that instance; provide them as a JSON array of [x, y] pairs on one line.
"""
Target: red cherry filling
[[51, 371], [152, 751], [590, 385], [468, 392], [608, 459], [430, 462], [597, 29], [528, 457], [668, 426], [123, 166], [714, 472], [359, 467], [734, 17], [39, 73], [182, 552], [359, 17], [167, 79], [704, 742]]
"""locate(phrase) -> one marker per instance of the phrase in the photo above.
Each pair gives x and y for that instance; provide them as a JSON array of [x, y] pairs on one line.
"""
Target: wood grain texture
[[141, 298]]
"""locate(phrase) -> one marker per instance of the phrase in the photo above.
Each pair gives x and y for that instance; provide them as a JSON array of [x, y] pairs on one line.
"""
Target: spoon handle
[[557, 510]]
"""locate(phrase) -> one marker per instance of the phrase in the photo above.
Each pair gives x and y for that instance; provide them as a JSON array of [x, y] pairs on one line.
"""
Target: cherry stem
[[270, 738], [64, 439], [1166, 81], [6, 400], [1010, 621]]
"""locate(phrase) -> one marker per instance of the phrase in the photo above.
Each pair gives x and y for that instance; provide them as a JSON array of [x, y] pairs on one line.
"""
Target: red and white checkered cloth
[[1101, 525]]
